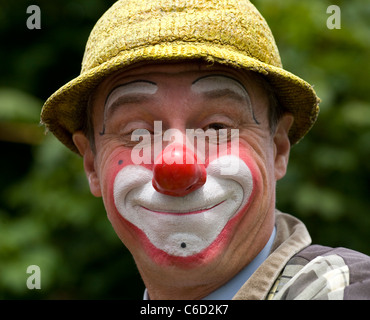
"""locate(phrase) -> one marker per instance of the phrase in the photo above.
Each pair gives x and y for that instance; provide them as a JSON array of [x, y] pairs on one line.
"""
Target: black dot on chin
[[120, 162], [183, 245]]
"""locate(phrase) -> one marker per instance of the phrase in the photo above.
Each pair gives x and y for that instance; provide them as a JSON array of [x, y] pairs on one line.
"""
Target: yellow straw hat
[[230, 32]]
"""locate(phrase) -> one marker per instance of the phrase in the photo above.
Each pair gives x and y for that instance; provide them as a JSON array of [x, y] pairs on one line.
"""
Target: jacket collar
[[291, 237]]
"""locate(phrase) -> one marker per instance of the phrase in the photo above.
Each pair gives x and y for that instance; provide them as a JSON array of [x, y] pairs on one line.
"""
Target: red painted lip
[[184, 213]]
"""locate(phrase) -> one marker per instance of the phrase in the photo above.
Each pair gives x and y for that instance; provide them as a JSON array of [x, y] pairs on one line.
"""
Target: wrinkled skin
[[177, 259]]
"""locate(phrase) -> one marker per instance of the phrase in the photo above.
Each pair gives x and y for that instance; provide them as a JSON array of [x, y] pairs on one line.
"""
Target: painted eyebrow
[[131, 92], [218, 85]]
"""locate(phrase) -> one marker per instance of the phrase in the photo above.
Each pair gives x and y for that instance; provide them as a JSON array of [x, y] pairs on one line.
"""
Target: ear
[[83, 145], [282, 145]]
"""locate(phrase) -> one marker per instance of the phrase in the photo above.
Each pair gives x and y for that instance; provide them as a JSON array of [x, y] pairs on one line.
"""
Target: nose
[[176, 171]]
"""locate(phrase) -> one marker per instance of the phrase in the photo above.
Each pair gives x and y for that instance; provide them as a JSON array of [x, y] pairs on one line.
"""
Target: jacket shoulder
[[324, 273]]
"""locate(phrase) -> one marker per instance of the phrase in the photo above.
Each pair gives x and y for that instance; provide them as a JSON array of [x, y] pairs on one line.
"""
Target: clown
[[194, 202], [177, 213]]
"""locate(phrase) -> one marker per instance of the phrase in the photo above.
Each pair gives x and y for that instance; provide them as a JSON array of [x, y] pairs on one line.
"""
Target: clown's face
[[185, 207]]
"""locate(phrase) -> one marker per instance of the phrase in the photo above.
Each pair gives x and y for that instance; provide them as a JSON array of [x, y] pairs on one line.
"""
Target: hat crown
[[133, 24], [229, 32]]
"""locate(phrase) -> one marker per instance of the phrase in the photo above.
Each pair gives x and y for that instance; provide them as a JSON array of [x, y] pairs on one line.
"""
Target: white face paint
[[182, 226], [219, 85], [128, 91]]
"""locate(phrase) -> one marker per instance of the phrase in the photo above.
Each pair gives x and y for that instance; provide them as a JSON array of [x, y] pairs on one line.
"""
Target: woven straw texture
[[230, 32]]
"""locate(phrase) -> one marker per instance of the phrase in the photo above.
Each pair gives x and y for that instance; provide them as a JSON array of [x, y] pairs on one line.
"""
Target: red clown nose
[[176, 171]]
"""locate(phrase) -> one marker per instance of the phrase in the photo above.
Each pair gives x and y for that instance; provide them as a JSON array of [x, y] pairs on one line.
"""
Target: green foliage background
[[48, 216]]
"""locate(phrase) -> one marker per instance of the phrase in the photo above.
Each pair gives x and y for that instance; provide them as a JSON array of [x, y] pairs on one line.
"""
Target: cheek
[[243, 151], [246, 154], [250, 211], [118, 159]]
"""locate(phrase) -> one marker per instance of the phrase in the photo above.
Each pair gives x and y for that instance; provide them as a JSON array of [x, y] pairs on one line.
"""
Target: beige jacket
[[296, 270], [291, 237]]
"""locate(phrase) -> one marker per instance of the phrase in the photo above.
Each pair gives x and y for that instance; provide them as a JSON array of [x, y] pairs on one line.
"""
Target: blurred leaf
[[356, 113], [18, 106], [327, 203], [19, 117]]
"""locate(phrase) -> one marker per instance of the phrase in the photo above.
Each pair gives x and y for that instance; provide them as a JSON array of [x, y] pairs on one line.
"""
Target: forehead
[[183, 73]]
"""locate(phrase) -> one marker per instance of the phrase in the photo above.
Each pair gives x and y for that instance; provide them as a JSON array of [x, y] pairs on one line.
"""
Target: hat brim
[[65, 111]]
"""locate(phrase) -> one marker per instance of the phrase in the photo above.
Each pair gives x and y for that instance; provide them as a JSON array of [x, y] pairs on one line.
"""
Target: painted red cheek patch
[[178, 236]]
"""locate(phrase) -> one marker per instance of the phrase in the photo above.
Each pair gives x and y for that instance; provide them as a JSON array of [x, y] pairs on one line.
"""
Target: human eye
[[218, 132], [139, 132], [139, 135], [131, 134], [216, 126]]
